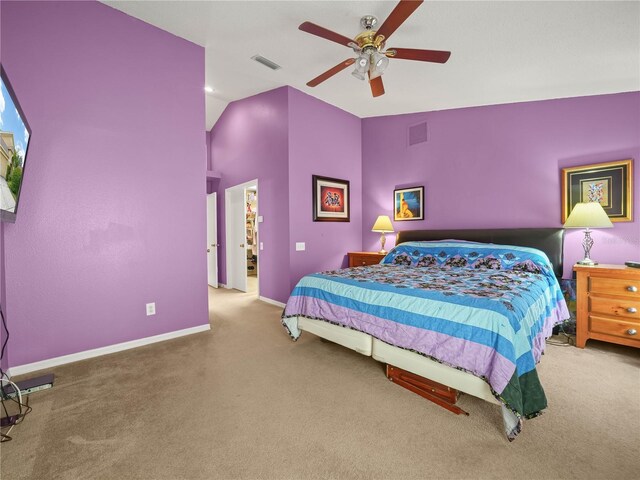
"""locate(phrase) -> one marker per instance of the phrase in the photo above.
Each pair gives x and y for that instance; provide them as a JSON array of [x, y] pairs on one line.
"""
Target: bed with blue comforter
[[482, 308]]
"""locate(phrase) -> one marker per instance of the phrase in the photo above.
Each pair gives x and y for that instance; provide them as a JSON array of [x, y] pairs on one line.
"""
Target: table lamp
[[588, 215], [382, 225]]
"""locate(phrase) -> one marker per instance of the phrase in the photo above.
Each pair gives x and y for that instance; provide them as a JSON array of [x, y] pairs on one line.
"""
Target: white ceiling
[[502, 52]]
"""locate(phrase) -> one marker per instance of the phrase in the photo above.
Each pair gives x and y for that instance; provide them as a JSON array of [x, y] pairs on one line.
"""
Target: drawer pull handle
[[632, 288], [632, 331], [632, 309]]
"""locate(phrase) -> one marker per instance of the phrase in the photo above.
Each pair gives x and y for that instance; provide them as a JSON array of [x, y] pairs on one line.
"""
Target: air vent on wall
[[266, 62], [418, 133]]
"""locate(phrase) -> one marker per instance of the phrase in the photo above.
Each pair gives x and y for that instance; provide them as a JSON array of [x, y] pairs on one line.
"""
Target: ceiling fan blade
[[377, 88], [436, 56], [397, 17], [331, 72], [322, 32]]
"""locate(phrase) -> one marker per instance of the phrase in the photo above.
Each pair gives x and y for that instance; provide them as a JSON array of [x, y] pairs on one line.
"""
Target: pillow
[[471, 255]]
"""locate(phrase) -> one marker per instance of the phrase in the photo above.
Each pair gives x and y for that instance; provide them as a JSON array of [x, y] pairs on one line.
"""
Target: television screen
[[14, 143]]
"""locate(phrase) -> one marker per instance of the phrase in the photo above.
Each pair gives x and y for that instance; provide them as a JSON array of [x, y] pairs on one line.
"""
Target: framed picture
[[330, 199], [408, 204], [610, 183]]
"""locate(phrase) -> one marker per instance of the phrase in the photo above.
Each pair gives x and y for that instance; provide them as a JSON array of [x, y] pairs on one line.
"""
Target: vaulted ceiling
[[502, 51]]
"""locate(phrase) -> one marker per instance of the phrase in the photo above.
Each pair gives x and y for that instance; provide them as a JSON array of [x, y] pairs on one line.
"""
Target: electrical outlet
[[300, 247], [151, 308], [261, 246]]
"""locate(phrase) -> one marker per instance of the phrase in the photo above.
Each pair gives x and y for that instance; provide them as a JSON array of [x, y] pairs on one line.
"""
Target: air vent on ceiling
[[418, 133], [266, 62]]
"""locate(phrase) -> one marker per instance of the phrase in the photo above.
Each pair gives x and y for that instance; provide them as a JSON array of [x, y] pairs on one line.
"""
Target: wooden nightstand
[[608, 301], [358, 259]]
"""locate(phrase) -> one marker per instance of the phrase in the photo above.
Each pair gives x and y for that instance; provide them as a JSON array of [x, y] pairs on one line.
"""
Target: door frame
[[230, 252], [216, 241]]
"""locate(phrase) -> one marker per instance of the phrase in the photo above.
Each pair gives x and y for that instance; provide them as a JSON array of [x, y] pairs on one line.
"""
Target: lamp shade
[[383, 224], [588, 215]]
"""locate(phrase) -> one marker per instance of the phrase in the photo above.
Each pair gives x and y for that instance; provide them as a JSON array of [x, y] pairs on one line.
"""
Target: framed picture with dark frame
[[408, 204], [331, 202], [610, 184]]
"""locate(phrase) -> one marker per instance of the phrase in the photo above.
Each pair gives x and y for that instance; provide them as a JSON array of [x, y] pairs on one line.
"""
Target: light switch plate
[[151, 309], [260, 219], [261, 246], [300, 247]]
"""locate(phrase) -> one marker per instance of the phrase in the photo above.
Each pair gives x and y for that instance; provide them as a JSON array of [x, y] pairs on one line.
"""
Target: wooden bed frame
[[435, 381]]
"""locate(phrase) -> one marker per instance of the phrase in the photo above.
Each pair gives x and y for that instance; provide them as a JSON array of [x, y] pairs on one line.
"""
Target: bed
[[469, 309]]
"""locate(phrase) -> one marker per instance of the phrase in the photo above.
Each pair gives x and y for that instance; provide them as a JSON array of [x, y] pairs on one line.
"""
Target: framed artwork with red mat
[[330, 199]]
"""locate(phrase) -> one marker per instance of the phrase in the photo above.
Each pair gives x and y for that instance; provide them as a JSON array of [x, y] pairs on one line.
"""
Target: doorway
[[242, 237], [212, 240], [251, 230]]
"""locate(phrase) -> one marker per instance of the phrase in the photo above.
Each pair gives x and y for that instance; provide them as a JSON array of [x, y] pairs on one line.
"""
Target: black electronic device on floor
[[30, 385], [632, 264]]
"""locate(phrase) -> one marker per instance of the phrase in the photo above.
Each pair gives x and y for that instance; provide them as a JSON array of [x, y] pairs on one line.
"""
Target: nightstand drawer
[[359, 259], [615, 286], [618, 328], [626, 307], [608, 303]]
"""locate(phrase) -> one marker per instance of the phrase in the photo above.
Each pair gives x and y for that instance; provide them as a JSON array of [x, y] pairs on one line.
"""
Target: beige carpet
[[244, 401]]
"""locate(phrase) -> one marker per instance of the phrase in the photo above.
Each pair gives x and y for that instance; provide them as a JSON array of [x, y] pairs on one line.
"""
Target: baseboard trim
[[272, 302], [97, 352]]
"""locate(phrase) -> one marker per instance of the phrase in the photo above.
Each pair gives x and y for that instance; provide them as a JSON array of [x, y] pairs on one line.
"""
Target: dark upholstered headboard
[[549, 240]]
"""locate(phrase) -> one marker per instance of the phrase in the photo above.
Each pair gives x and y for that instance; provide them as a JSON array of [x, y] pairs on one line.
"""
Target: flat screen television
[[15, 134]]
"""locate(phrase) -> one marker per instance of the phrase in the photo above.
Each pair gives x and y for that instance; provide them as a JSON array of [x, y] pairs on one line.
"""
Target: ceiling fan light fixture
[[382, 62], [379, 63], [358, 74], [362, 65]]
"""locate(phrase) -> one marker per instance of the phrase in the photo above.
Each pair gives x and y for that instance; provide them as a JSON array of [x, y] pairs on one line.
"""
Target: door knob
[[632, 310], [208, 250], [632, 331], [632, 288], [214, 244]]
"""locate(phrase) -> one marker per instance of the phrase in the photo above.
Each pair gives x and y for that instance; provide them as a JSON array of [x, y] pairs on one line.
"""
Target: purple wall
[[112, 211], [208, 144], [323, 140], [282, 137], [249, 141], [5, 360], [499, 166]]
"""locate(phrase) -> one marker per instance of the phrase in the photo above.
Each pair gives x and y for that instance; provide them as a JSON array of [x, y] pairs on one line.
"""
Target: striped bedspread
[[482, 308]]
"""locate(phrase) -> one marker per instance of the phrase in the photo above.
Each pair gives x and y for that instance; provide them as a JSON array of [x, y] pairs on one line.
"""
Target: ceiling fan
[[372, 57]]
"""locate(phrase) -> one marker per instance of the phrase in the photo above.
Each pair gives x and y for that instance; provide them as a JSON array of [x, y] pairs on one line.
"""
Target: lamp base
[[587, 261], [587, 243], [383, 239]]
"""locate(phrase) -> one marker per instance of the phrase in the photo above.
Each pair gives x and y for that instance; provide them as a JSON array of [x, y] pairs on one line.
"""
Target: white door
[[236, 238], [212, 239]]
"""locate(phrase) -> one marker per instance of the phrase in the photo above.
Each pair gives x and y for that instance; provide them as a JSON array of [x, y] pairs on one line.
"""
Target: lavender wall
[[499, 166], [249, 141], [282, 137], [112, 211], [208, 144], [323, 140], [4, 364]]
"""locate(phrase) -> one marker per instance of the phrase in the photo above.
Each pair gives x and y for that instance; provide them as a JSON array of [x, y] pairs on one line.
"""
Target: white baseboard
[[96, 352], [272, 302]]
